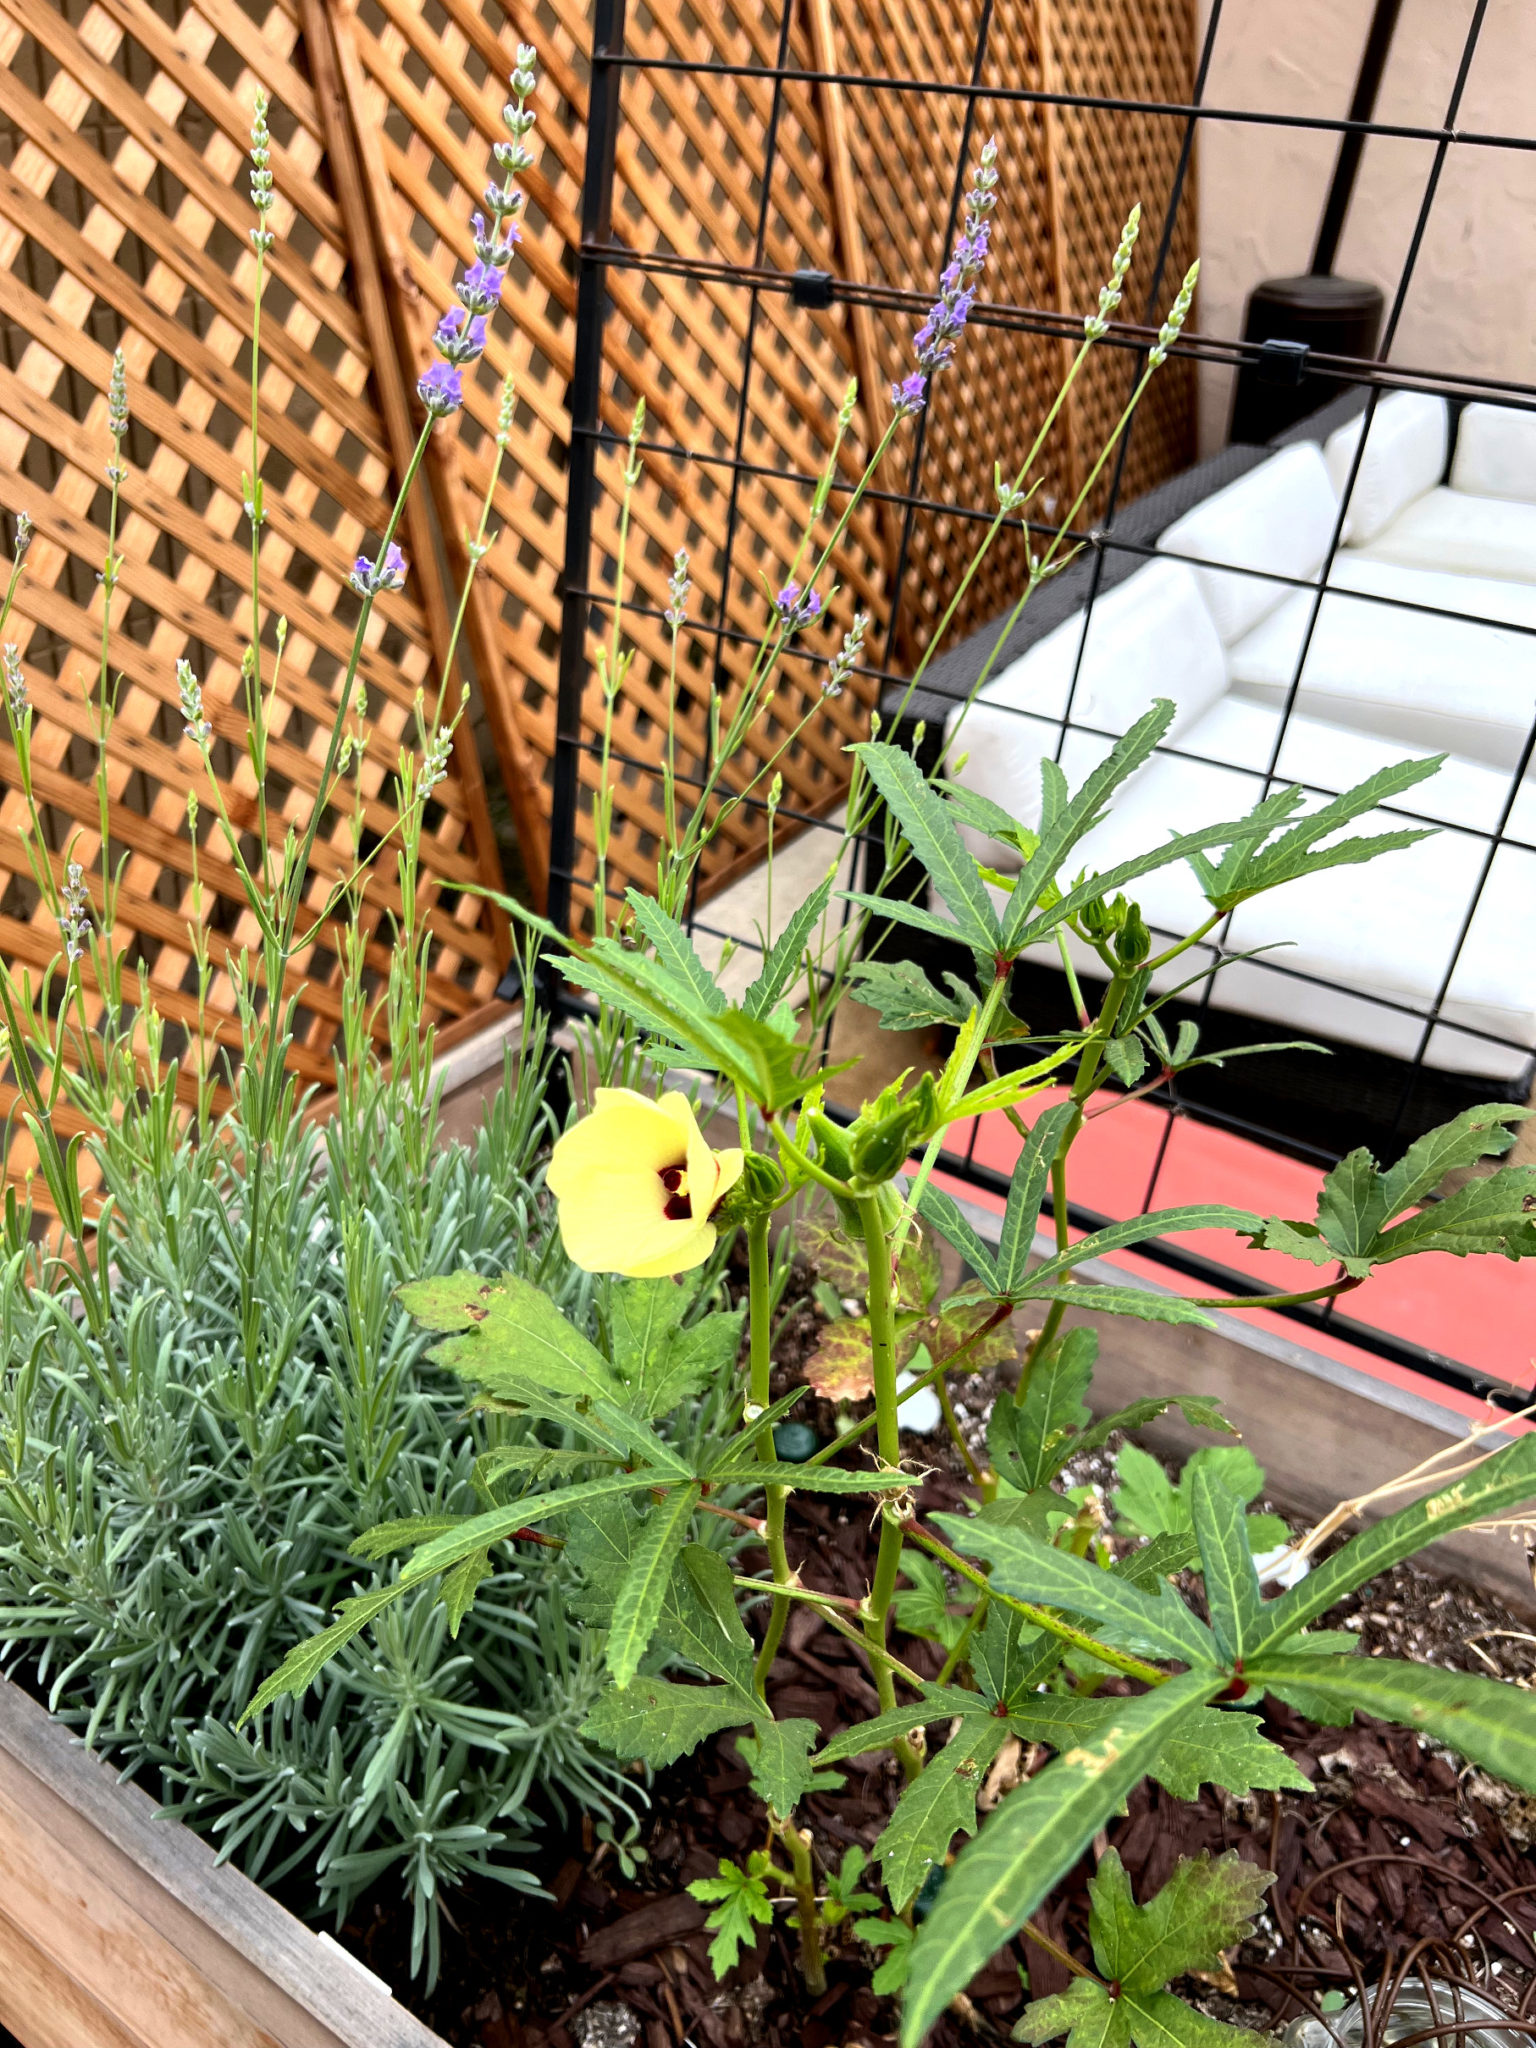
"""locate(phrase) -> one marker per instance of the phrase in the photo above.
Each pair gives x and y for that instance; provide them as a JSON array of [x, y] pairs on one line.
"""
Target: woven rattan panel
[[123, 222]]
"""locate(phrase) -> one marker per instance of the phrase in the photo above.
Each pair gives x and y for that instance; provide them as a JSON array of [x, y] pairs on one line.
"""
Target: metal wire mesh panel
[[123, 221]]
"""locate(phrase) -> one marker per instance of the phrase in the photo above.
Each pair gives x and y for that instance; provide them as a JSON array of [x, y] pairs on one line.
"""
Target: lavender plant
[[208, 1390], [1033, 1609]]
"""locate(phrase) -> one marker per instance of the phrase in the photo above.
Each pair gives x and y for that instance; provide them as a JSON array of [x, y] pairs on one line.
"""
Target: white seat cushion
[[1404, 457], [1364, 947], [1278, 520], [1428, 677], [1468, 536], [1495, 453], [1150, 637]]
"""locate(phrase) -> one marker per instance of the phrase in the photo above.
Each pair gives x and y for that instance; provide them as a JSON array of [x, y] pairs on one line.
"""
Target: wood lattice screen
[[124, 218]]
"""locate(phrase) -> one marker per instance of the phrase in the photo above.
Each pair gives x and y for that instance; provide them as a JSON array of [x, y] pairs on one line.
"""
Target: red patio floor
[[1480, 1312]]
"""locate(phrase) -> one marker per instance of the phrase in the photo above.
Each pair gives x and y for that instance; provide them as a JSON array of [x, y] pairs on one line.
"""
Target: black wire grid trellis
[[585, 599]]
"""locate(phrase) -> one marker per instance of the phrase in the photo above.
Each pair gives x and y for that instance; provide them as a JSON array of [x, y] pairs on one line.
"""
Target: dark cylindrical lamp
[[1291, 319]]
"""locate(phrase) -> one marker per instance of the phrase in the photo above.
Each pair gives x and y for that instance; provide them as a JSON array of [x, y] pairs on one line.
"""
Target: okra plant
[[706, 1119]]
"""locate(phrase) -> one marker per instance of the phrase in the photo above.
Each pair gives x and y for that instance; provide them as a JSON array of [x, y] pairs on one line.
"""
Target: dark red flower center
[[675, 1180]]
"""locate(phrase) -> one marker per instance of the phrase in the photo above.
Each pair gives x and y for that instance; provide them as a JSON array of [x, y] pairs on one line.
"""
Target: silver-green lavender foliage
[[172, 1522]]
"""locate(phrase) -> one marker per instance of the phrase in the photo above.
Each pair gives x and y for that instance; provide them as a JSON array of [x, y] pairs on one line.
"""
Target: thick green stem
[[881, 1303], [812, 1965], [758, 1282]]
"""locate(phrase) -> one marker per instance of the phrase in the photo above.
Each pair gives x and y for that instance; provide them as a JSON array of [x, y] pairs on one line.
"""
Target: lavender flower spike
[[195, 725], [17, 701], [935, 339], [440, 390], [369, 578], [74, 912], [846, 659], [795, 610], [678, 587]]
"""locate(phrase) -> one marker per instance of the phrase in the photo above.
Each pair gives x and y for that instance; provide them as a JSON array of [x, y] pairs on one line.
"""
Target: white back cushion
[[1496, 453], [1278, 519], [1404, 457], [1149, 637]]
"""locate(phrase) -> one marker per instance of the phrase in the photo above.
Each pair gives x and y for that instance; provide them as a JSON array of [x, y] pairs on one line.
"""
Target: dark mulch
[[1397, 1844]]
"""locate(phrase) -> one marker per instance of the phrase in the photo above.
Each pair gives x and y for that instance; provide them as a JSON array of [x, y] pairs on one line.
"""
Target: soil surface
[[1398, 1843]]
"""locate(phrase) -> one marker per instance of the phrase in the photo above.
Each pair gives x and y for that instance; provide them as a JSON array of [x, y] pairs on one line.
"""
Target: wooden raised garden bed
[[120, 1930]]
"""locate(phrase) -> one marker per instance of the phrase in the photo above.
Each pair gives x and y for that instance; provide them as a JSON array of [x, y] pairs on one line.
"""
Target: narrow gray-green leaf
[[1030, 1842]]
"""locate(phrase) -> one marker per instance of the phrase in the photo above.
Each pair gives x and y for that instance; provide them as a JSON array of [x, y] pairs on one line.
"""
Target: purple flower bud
[[459, 338], [440, 390], [796, 611], [479, 289], [910, 395], [369, 578]]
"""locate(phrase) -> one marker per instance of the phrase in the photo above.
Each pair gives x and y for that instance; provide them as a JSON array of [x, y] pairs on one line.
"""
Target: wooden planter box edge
[[119, 1929]]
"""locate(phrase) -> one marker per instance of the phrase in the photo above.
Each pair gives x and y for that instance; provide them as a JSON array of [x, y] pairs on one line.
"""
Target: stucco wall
[[1471, 305]]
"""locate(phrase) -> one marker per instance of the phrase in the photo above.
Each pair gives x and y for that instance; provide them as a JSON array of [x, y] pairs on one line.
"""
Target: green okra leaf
[[1140, 1302], [930, 827], [779, 1757], [1156, 1624], [1032, 1434], [946, 1217], [904, 997], [938, 1804], [637, 1610], [1503, 1481], [1116, 1237], [1027, 1845], [1254, 864], [1226, 1561], [1010, 1657], [1486, 1720], [938, 1703], [305, 1661], [675, 950], [658, 1720], [785, 955], [1026, 1193], [1205, 1908]]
